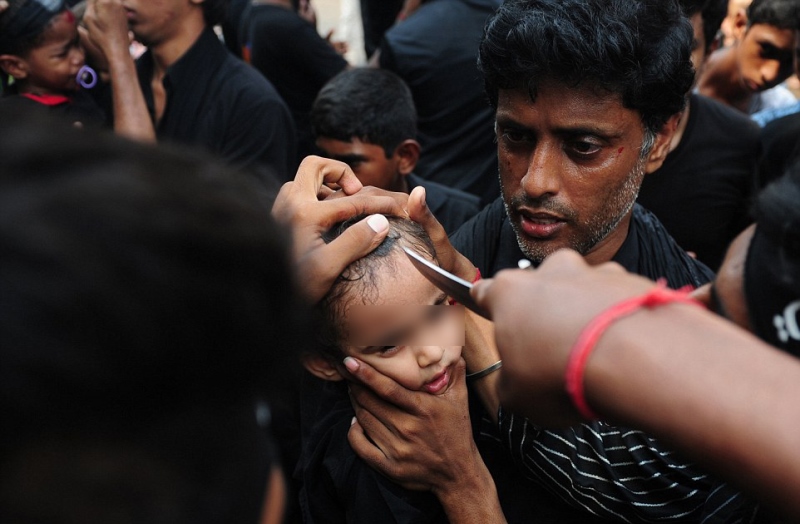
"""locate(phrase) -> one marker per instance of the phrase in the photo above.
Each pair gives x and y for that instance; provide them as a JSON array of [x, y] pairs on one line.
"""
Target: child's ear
[[321, 367], [14, 66], [407, 154]]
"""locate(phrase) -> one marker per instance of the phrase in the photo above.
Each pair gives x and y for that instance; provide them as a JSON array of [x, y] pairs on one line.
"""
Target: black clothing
[[376, 17], [289, 52], [217, 102], [702, 192], [780, 142], [230, 26], [451, 207], [435, 51], [337, 486], [602, 470], [488, 240], [79, 109]]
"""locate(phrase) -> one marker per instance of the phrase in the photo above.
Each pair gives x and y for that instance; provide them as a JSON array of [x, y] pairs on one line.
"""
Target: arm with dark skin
[[423, 442], [107, 30], [709, 389]]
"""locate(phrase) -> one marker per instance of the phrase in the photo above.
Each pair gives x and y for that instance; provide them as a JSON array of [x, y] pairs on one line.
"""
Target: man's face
[[570, 169], [409, 334], [155, 21], [765, 57], [53, 66], [368, 162]]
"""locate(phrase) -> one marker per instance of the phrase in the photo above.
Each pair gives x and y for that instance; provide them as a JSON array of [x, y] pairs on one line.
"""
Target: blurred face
[[570, 169], [368, 162], [725, 295], [409, 334], [53, 66], [155, 21], [765, 57]]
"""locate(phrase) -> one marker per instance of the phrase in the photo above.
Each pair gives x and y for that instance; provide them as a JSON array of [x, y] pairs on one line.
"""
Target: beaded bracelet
[[587, 340]]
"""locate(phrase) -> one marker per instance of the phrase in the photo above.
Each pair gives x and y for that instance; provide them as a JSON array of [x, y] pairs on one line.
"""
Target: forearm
[[480, 352], [714, 392], [474, 499], [131, 118]]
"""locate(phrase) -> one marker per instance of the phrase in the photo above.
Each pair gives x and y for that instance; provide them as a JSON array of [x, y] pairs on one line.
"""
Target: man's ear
[[407, 154], [739, 25], [321, 367], [14, 66], [663, 140]]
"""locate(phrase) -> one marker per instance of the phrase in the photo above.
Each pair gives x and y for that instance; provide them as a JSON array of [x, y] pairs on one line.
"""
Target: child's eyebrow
[[348, 158]]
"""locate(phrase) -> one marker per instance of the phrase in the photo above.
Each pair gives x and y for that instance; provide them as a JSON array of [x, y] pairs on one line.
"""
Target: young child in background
[[41, 59], [384, 312], [366, 118]]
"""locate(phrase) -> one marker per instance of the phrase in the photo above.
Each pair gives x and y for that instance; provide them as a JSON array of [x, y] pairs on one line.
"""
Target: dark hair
[[373, 105], [359, 279], [22, 28], [215, 11], [146, 303], [713, 15], [783, 14], [639, 49]]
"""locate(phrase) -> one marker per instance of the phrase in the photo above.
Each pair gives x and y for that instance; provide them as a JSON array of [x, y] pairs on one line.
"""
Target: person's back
[[434, 51], [290, 53], [366, 118], [137, 290]]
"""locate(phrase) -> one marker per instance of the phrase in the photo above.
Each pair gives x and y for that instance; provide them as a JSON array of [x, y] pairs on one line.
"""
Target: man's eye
[[513, 136], [583, 147]]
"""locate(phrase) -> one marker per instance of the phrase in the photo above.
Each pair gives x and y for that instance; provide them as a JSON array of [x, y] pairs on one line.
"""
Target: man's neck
[[722, 80], [170, 50], [606, 249]]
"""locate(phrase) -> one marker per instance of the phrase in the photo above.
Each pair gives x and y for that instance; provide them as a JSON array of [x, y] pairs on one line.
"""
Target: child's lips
[[439, 382]]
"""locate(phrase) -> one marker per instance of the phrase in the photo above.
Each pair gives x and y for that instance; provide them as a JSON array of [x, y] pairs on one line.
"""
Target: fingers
[[357, 241], [315, 171], [380, 384]]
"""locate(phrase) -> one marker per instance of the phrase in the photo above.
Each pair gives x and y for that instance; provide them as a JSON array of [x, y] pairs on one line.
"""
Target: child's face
[[53, 66], [368, 162], [410, 334], [765, 56]]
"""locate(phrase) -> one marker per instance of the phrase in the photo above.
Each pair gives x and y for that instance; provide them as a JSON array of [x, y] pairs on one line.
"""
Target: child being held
[[41, 57], [384, 312]]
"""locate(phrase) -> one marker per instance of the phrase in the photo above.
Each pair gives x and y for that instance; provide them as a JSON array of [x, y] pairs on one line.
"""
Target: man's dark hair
[[359, 279], [373, 105], [215, 11], [146, 305], [639, 49], [777, 13]]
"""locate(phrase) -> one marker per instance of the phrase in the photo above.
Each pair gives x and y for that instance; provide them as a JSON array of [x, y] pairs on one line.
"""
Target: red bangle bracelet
[[587, 340]]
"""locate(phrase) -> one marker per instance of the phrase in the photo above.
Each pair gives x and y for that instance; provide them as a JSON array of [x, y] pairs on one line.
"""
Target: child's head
[[384, 312], [766, 43], [39, 47], [366, 118]]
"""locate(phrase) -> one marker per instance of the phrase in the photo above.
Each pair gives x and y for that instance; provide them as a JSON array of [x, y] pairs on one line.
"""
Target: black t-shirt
[[223, 106], [435, 51], [780, 142], [289, 52], [702, 192], [79, 109]]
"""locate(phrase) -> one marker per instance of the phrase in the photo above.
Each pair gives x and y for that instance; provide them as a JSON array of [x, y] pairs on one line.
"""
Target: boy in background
[[367, 119]]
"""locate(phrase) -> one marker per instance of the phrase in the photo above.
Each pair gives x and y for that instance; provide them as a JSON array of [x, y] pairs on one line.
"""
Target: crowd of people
[[207, 309]]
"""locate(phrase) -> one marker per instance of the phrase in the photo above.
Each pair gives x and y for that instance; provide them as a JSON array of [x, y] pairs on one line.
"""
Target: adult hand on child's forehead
[[311, 208]]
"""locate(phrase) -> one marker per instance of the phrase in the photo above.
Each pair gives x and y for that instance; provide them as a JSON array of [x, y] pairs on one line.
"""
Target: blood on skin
[[70, 17], [620, 150]]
